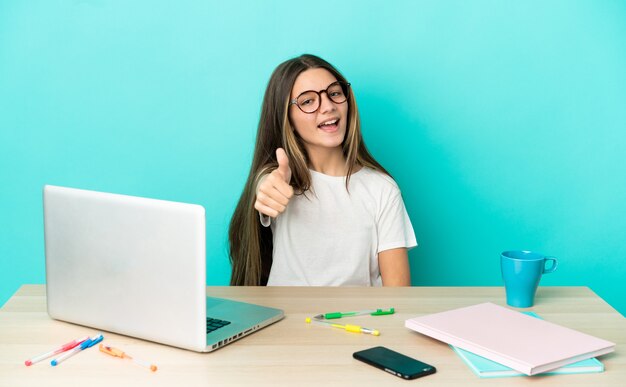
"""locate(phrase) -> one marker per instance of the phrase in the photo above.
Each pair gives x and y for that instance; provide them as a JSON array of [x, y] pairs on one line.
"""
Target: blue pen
[[90, 342]]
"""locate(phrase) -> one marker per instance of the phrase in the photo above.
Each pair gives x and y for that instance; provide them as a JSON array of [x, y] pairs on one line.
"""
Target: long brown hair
[[250, 243]]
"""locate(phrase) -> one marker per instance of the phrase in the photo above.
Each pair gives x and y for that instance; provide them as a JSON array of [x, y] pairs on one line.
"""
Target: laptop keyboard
[[213, 324]]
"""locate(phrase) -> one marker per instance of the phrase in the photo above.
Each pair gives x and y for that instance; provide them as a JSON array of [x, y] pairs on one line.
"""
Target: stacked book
[[495, 341]]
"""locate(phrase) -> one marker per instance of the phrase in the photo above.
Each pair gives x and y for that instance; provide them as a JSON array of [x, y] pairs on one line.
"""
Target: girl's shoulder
[[376, 177]]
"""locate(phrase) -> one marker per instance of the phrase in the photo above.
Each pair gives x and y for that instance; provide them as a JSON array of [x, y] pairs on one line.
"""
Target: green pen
[[372, 312]]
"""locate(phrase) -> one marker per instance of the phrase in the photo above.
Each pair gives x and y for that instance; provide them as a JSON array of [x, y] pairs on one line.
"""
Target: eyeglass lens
[[309, 101]]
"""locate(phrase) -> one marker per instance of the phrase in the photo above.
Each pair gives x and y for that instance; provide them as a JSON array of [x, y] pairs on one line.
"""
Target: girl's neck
[[329, 161]]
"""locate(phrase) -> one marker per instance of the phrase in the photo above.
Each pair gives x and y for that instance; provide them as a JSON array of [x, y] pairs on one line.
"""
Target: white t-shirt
[[332, 237]]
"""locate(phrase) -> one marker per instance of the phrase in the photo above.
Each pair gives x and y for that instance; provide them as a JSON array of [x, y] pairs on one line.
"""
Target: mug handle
[[552, 268]]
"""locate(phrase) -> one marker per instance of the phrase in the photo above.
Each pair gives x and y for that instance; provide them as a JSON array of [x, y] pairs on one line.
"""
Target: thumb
[[283, 164]]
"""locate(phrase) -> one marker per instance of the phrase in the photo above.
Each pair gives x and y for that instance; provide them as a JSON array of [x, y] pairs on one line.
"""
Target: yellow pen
[[347, 327]]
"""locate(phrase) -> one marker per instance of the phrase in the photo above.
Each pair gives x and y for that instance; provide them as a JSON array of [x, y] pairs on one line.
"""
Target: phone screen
[[395, 363]]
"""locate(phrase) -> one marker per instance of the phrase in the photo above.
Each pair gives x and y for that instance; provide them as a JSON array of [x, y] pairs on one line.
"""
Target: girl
[[317, 209]]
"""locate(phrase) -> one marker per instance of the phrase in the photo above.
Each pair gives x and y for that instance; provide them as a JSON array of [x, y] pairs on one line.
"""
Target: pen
[[121, 354], [90, 342], [373, 312], [347, 327], [63, 348]]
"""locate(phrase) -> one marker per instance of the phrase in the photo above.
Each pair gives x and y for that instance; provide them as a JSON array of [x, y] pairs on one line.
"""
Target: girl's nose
[[326, 105]]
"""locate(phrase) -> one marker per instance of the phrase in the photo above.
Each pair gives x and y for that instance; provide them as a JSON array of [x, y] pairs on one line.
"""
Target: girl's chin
[[325, 139], [324, 144]]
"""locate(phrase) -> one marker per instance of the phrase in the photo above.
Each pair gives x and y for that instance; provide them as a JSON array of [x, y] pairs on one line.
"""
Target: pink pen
[[63, 348]]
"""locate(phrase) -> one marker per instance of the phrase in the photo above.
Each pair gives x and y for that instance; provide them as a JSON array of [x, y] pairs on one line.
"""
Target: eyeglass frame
[[319, 94]]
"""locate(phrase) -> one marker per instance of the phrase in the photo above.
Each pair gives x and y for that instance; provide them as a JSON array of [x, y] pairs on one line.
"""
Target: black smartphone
[[395, 363]]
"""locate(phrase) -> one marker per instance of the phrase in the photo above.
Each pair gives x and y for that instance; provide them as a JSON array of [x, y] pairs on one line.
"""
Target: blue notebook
[[486, 368]]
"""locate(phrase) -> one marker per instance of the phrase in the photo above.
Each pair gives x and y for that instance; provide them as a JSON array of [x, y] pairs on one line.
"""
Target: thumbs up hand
[[283, 165], [274, 192]]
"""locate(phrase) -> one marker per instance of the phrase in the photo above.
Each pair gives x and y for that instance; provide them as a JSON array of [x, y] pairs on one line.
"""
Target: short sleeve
[[394, 226]]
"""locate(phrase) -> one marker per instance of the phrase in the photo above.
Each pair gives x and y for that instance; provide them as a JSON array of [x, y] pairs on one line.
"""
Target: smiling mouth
[[330, 125]]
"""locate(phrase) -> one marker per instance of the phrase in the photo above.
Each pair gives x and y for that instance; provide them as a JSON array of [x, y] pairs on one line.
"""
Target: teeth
[[328, 122]]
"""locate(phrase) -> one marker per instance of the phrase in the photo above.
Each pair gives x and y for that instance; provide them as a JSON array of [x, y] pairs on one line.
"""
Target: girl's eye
[[306, 102]]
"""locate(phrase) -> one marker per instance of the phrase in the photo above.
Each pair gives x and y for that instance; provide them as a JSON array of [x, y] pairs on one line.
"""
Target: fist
[[274, 192]]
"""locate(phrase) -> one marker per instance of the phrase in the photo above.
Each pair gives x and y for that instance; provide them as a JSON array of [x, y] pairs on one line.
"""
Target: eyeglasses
[[310, 100]]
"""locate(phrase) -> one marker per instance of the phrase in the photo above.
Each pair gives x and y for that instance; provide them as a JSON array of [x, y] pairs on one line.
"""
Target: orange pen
[[121, 354]]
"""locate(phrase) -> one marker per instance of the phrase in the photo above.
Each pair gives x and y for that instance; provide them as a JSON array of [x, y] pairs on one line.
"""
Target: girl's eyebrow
[[324, 89]]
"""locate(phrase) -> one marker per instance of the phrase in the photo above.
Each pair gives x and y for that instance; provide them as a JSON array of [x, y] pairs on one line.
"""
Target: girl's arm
[[394, 267]]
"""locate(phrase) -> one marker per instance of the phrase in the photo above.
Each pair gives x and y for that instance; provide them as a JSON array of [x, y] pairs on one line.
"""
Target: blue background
[[503, 122]]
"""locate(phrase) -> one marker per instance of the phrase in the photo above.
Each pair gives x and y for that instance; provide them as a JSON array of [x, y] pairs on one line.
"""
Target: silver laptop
[[137, 267]]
